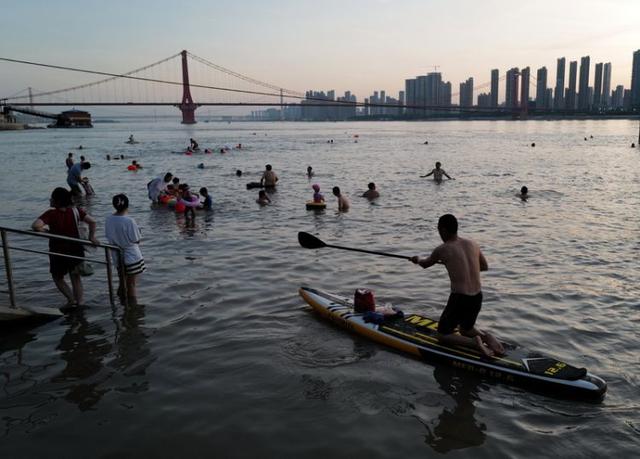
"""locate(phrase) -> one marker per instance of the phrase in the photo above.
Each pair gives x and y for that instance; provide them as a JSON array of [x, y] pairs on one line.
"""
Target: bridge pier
[[187, 107]]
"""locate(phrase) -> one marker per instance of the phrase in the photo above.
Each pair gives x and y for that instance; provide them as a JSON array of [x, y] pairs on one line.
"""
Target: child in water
[[317, 196], [122, 231], [263, 199], [188, 198], [207, 203], [310, 172]]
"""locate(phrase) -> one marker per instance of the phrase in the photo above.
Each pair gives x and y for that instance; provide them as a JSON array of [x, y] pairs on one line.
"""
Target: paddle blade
[[309, 241]]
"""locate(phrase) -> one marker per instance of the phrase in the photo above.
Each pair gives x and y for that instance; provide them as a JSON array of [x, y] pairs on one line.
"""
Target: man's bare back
[[464, 261]]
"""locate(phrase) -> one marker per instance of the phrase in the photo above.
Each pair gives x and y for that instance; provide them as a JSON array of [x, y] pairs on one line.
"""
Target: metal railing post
[[109, 275], [125, 292], [7, 267]]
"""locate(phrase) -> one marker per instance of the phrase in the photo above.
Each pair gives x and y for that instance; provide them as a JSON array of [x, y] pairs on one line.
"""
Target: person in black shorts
[[464, 261]]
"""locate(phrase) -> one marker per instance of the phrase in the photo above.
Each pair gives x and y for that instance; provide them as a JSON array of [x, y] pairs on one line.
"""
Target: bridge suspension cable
[[243, 77]]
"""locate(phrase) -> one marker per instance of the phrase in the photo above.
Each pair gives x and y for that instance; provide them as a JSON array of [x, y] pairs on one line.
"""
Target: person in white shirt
[[122, 231], [158, 185]]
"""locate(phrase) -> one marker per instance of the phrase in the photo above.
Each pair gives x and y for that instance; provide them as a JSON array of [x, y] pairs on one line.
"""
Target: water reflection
[[83, 347], [132, 352], [456, 428]]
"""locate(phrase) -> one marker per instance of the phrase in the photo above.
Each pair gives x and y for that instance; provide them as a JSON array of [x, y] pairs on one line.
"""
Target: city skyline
[[342, 46]]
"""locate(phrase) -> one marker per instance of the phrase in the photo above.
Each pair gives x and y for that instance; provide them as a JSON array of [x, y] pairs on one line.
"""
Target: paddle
[[309, 241]]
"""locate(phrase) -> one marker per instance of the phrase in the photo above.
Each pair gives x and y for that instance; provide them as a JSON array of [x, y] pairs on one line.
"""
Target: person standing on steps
[[464, 262], [122, 231], [62, 219]]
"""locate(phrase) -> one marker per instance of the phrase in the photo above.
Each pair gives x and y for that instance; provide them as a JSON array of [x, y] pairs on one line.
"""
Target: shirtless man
[[437, 173], [269, 178], [343, 202], [464, 261]]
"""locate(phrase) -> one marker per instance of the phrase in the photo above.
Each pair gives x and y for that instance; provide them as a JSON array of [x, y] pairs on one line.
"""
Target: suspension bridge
[[187, 81]]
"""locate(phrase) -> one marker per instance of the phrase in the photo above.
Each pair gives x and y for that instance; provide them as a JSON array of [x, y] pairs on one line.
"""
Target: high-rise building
[[495, 77], [410, 92], [617, 97], [541, 87], [445, 91], [524, 88], [484, 100], [583, 88], [548, 99], [570, 96], [626, 99], [558, 100], [606, 86], [466, 93], [597, 86], [635, 81], [511, 97]]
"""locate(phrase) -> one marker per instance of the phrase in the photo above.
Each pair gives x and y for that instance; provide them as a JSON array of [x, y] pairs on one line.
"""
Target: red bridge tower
[[187, 107]]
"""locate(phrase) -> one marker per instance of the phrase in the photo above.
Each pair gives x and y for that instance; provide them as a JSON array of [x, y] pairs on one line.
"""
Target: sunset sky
[[357, 45]]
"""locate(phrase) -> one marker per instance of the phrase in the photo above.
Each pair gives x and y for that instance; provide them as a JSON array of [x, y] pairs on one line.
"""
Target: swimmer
[[263, 199], [533, 144], [135, 163], [426, 142], [207, 203], [269, 178], [633, 145], [317, 196], [176, 183], [81, 157], [201, 166], [131, 139], [310, 172], [239, 146], [193, 144], [437, 173], [343, 202], [108, 157], [238, 173], [524, 193], [80, 147], [371, 193], [189, 211], [585, 139]]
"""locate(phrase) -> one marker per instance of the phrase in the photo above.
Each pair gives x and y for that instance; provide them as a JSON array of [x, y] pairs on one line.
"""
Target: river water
[[225, 360]]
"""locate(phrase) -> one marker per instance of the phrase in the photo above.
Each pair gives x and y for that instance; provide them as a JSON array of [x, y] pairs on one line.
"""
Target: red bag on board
[[363, 300]]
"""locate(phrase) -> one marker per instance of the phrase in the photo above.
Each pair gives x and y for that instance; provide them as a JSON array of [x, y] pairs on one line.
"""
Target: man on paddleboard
[[464, 261]]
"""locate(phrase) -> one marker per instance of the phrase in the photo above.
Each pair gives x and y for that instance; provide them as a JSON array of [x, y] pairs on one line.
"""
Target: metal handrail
[[107, 247]]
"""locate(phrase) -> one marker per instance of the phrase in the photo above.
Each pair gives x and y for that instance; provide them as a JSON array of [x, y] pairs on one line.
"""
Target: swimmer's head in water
[[61, 197], [371, 186], [438, 164], [167, 176], [262, 194], [309, 169], [203, 191], [239, 173], [524, 190], [447, 226], [70, 155], [120, 202], [268, 167], [315, 187], [176, 180], [336, 190]]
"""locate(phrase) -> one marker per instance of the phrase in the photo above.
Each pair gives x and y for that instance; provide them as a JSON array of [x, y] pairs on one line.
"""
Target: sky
[[356, 45]]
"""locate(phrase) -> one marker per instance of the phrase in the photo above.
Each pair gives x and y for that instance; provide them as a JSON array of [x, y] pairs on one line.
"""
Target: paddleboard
[[416, 335]]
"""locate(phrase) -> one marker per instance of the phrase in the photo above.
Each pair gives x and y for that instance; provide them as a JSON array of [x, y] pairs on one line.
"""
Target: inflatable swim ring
[[131, 167], [316, 205], [180, 207]]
